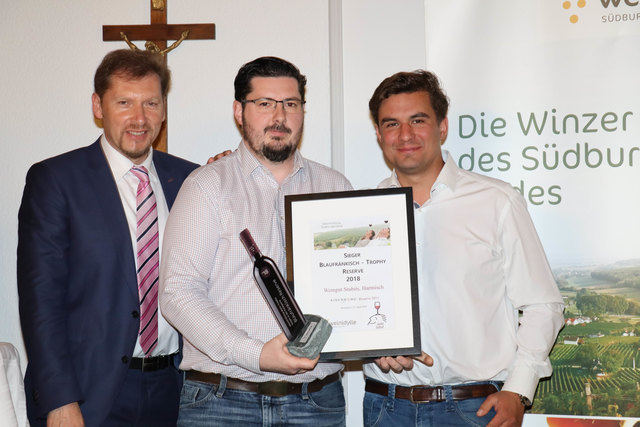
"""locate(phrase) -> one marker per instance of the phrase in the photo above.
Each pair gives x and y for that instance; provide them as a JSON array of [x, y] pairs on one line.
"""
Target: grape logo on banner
[[568, 5]]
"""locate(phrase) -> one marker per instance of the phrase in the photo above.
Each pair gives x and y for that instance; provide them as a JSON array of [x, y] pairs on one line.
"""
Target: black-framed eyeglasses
[[267, 105]]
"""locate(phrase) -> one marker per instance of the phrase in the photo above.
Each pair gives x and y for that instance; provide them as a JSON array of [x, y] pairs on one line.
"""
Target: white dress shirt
[[480, 261], [127, 183], [207, 289], [13, 407]]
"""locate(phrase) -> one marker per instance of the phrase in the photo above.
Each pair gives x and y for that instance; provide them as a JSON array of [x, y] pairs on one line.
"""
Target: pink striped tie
[[148, 258]]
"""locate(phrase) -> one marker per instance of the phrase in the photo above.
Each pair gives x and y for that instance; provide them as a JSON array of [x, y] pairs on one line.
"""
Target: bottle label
[[275, 290]]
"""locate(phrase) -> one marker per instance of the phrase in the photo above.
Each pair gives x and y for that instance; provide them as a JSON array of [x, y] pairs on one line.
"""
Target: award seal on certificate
[[307, 334]]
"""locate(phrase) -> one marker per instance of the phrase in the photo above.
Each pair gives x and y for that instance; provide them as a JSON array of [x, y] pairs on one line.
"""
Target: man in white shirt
[[480, 262], [238, 370]]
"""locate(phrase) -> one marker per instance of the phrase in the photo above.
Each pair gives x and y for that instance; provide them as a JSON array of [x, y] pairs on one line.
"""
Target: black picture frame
[[341, 278]]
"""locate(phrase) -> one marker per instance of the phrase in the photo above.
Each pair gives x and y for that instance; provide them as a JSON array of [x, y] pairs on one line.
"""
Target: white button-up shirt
[[480, 262]]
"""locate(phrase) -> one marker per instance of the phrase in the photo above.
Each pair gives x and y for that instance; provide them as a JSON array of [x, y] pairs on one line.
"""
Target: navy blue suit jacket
[[77, 280]]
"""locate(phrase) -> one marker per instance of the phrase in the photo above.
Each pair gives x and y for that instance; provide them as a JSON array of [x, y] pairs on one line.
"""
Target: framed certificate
[[351, 259]]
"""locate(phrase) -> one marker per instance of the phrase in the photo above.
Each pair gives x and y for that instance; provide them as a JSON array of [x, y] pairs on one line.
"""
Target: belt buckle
[[148, 364], [440, 397], [273, 388]]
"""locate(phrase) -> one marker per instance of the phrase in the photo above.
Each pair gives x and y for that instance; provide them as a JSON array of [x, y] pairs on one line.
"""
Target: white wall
[[379, 40], [51, 50]]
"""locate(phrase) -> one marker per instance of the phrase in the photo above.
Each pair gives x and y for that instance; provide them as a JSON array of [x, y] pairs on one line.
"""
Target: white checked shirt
[[207, 289]]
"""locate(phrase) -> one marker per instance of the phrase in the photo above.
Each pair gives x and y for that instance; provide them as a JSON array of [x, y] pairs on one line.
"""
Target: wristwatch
[[524, 400]]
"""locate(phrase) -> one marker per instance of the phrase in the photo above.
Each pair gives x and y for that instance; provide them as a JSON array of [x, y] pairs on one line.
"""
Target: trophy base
[[312, 337]]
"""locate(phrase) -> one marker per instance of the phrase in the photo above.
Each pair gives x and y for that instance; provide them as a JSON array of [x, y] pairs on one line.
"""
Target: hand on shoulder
[[219, 156]]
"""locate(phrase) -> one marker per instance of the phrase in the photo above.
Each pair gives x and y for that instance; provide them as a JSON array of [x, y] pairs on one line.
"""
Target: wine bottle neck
[[254, 253], [250, 245]]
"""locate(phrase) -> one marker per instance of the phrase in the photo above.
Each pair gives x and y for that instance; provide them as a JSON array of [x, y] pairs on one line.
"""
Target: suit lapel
[[170, 185], [107, 196]]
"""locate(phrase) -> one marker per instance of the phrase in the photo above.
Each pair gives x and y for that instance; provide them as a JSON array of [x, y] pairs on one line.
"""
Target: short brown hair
[[132, 64], [409, 82]]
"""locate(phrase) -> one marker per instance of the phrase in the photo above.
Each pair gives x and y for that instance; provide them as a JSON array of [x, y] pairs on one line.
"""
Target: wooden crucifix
[[156, 35]]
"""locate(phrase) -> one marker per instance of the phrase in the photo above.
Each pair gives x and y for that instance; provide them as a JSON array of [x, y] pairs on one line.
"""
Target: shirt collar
[[447, 177], [249, 163], [393, 180], [121, 165]]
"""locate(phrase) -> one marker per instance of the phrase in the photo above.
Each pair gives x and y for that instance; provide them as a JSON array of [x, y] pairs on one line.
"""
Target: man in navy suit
[[80, 305]]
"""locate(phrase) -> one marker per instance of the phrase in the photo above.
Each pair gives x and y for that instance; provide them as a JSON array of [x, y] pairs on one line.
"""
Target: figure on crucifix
[[152, 47]]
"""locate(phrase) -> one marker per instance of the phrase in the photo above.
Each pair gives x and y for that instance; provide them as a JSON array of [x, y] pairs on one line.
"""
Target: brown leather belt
[[423, 394], [268, 388]]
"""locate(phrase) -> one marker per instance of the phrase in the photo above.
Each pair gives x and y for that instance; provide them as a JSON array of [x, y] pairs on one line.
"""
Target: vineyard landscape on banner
[[596, 359]]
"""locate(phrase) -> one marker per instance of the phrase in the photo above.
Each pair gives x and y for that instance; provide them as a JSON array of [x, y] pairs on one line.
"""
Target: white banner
[[546, 95]]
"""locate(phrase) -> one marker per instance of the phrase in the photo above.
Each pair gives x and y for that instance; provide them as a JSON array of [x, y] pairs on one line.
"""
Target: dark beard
[[276, 154], [279, 154]]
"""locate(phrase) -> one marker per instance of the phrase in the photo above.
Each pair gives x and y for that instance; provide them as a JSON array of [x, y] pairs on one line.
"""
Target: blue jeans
[[204, 404], [388, 411]]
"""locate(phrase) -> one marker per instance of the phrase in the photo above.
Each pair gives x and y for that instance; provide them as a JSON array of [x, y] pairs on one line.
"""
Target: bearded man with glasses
[[238, 370]]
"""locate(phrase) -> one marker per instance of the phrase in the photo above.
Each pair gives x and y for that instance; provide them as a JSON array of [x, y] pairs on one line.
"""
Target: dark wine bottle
[[274, 289]]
